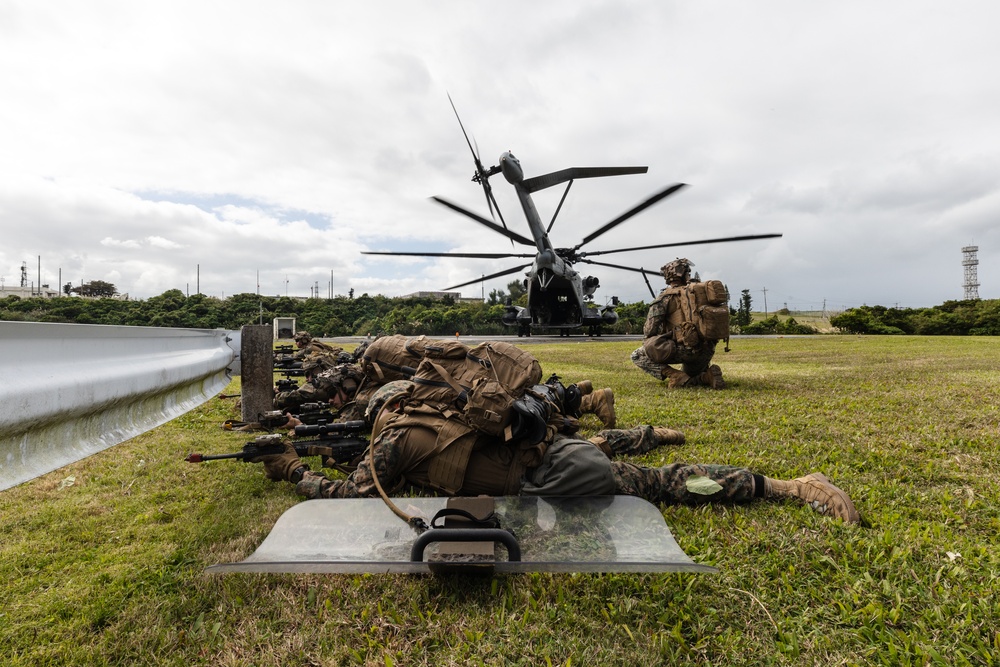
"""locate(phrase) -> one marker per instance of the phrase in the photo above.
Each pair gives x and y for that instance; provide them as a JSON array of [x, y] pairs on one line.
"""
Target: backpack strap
[[446, 376]]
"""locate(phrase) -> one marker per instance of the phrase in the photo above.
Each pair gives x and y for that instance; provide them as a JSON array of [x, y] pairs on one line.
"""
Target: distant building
[[45, 292], [440, 296]]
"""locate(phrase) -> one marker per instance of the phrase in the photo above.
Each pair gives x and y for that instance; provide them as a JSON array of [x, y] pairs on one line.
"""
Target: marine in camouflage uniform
[[570, 467], [324, 385], [662, 318], [310, 347]]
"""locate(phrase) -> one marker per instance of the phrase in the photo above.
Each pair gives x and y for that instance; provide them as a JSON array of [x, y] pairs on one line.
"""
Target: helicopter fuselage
[[558, 297]]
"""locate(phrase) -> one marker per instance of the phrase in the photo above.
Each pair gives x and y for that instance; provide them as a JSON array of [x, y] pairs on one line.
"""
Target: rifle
[[287, 384], [309, 413], [331, 431], [342, 448], [286, 362], [315, 413]]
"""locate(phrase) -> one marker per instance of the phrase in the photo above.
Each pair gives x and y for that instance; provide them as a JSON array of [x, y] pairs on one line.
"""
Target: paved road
[[528, 340]]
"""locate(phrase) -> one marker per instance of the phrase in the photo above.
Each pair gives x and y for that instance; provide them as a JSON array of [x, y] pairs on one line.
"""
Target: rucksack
[[392, 358], [476, 385], [703, 305]]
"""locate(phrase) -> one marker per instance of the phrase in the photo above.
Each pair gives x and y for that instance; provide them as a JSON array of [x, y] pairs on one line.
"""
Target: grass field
[[102, 561], [813, 318]]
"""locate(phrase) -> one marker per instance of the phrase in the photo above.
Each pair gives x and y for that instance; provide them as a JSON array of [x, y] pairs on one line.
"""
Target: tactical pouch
[[716, 293], [687, 334], [489, 406], [660, 349], [713, 322]]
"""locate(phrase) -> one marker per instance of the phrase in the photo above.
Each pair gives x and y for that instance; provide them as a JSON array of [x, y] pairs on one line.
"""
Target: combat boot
[[675, 377], [712, 378], [667, 436], [816, 491], [602, 404], [585, 387]]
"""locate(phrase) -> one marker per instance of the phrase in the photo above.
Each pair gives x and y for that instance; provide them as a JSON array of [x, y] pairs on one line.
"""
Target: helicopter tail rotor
[[482, 175]]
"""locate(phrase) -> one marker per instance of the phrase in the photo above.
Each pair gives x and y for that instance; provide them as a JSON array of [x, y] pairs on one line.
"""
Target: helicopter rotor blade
[[507, 272], [644, 272], [652, 294], [751, 237], [475, 255], [619, 266], [559, 208], [513, 236], [662, 194]]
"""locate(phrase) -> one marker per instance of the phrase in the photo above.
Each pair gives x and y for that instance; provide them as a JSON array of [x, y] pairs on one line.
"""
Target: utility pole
[[765, 302]]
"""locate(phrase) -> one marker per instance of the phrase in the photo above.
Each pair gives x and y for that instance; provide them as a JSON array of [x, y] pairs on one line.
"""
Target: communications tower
[[970, 262]]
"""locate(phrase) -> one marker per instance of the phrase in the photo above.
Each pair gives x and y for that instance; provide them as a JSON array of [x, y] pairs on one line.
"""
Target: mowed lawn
[[102, 561]]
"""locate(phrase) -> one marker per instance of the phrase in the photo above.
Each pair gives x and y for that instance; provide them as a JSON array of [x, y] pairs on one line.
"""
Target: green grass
[[102, 561]]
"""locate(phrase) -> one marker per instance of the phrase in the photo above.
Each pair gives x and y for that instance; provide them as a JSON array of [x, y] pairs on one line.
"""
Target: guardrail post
[[257, 371]]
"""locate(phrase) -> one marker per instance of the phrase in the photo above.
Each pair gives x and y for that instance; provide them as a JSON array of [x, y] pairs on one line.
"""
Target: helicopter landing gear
[[524, 330], [594, 330]]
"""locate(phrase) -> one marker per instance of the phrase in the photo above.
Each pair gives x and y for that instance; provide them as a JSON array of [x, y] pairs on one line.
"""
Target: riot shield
[[578, 534]]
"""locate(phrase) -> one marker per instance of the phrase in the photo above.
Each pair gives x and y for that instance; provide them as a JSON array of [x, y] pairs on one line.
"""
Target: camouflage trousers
[[693, 362], [680, 483], [626, 441]]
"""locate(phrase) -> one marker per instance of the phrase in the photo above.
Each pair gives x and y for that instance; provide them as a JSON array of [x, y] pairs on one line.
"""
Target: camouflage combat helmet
[[345, 377], [303, 337], [678, 270]]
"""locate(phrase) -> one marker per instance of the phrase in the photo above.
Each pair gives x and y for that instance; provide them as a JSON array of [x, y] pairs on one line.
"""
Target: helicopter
[[559, 298]]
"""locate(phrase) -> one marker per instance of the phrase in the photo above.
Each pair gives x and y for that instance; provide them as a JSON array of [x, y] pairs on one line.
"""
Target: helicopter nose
[[511, 168]]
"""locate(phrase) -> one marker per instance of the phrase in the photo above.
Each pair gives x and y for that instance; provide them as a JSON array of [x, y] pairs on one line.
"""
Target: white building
[[45, 292]]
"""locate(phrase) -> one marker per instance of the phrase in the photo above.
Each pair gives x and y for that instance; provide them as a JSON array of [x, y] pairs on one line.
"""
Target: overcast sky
[[178, 145]]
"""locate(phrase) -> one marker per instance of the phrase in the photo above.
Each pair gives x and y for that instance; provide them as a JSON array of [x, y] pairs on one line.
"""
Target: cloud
[[220, 147]]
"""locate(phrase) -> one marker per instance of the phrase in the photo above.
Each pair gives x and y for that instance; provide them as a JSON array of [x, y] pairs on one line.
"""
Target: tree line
[[972, 317], [365, 314], [340, 316]]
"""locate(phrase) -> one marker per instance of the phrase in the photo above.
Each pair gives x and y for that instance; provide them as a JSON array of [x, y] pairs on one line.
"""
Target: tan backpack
[[477, 385], [703, 305], [392, 358]]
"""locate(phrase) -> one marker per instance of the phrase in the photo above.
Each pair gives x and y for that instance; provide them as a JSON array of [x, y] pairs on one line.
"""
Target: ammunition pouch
[[713, 323], [660, 349], [687, 334]]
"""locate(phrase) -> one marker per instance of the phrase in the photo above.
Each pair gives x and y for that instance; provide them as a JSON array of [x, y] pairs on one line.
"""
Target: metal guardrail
[[71, 390]]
